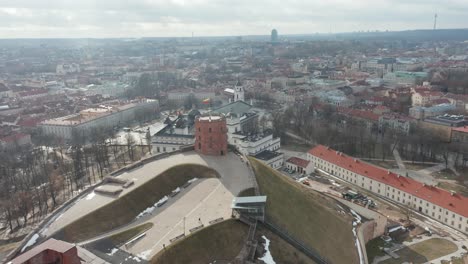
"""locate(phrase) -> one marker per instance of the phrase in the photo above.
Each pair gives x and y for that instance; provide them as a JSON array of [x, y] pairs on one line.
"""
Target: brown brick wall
[[211, 136]]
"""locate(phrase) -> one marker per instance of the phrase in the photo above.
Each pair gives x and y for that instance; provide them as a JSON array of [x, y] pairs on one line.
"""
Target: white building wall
[[427, 208]]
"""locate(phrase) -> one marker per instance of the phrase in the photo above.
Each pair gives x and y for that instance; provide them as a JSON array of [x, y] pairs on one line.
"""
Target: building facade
[[86, 120], [211, 135], [446, 207]]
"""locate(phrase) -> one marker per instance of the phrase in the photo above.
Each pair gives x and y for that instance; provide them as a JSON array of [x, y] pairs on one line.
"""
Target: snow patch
[[145, 254], [90, 196], [267, 258], [357, 217], [31, 242], [113, 251], [150, 210], [357, 220], [58, 217], [192, 180]]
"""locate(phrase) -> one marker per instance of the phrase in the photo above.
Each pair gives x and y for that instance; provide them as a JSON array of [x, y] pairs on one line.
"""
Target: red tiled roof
[[30, 122], [462, 129], [359, 113], [14, 137], [51, 244], [441, 101], [455, 203], [33, 92], [298, 161]]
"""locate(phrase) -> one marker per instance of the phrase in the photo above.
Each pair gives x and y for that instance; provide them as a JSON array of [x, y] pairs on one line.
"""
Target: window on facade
[[209, 129]]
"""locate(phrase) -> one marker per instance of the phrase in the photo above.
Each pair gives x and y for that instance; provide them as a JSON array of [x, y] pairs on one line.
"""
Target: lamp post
[[184, 225]]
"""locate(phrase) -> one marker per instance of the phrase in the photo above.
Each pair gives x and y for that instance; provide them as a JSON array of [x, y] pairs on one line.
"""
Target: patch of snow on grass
[[58, 217], [90, 196], [150, 210], [31, 242], [356, 216], [357, 220], [267, 258], [145, 254], [113, 251], [192, 180]]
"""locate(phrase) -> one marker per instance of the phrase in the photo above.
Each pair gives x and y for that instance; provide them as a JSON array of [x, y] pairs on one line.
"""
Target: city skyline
[[179, 18]]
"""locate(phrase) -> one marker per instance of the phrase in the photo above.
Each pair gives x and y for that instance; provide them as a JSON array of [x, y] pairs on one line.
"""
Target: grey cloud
[[222, 16]]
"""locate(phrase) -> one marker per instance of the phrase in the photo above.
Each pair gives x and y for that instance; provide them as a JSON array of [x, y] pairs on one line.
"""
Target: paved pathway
[[398, 159], [206, 200], [432, 169]]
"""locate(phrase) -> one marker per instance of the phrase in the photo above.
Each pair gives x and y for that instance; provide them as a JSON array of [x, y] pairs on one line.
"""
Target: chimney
[[398, 175], [452, 193], [388, 172]]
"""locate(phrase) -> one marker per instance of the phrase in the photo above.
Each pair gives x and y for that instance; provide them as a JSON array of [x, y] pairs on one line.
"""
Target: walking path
[[398, 160], [432, 169]]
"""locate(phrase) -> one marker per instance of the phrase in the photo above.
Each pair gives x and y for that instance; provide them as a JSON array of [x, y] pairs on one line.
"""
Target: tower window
[[209, 130]]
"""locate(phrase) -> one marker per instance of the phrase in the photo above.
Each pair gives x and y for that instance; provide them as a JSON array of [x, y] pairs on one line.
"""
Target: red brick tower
[[211, 135]]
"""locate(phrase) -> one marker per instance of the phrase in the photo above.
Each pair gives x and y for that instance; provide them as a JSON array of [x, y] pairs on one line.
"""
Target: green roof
[[239, 108]]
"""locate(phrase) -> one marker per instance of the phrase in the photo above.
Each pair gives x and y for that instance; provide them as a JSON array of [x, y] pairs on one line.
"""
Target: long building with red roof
[[446, 207]]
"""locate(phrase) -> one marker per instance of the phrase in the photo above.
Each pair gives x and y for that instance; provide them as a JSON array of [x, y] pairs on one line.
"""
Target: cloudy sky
[[161, 18]]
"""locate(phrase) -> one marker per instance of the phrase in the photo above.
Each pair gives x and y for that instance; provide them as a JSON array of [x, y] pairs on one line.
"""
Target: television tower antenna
[[435, 21]]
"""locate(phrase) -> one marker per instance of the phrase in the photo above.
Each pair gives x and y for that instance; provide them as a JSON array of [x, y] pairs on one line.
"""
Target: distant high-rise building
[[274, 35]]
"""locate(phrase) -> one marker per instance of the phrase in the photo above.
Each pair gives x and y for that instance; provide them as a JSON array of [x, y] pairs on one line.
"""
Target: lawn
[[373, 248], [445, 173], [387, 164], [307, 215], [417, 166], [123, 237], [219, 242], [124, 209], [247, 192], [281, 251], [423, 252]]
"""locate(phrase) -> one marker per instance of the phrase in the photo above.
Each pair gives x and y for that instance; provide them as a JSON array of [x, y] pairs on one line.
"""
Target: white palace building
[[444, 206]]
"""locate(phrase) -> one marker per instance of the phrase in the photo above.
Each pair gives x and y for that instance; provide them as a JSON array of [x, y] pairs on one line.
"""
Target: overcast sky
[[162, 18]]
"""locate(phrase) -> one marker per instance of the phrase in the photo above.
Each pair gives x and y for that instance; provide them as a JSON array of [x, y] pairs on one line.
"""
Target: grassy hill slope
[[124, 209], [221, 242], [307, 215]]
